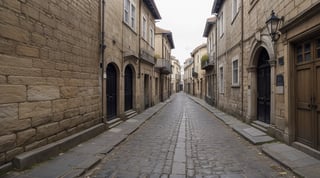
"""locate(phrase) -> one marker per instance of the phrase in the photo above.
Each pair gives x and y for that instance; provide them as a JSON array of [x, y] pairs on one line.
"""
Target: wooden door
[[307, 58], [111, 92], [128, 85], [264, 87]]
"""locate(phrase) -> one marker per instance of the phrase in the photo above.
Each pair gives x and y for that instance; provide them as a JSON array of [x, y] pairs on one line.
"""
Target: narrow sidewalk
[[299, 162], [78, 160]]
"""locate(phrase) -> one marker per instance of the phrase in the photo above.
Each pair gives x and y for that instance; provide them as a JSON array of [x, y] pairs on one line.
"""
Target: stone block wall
[[49, 72]]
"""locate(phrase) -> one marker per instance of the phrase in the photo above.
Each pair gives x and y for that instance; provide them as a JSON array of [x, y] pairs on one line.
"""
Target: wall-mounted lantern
[[273, 24]]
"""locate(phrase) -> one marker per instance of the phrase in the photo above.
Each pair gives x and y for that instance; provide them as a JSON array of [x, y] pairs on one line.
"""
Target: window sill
[[129, 27], [234, 18], [235, 86]]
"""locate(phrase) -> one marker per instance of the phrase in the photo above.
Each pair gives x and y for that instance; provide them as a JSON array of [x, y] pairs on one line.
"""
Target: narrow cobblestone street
[[185, 140]]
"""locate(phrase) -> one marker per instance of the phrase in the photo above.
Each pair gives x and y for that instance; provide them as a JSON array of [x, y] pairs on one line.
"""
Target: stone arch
[[257, 47]]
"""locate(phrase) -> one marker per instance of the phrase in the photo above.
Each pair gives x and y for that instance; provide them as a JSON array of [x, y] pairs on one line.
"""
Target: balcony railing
[[164, 66], [145, 56], [207, 65]]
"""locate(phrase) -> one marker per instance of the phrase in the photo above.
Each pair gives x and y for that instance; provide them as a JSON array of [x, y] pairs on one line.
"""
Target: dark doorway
[[111, 92], [146, 91], [128, 85], [264, 87]]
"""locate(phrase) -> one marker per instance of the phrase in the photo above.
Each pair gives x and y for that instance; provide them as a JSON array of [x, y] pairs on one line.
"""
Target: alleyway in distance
[[185, 140]]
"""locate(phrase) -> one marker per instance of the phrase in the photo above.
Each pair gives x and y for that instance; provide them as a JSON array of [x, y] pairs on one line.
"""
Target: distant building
[[164, 45], [176, 75], [198, 73]]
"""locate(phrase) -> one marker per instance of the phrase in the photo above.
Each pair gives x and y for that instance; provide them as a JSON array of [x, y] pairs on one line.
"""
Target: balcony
[[164, 66], [207, 65], [146, 57]]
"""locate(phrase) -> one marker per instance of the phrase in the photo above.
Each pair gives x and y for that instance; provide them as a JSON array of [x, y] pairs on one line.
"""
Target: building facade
[[176, 75], [270, 72], [198, 73], [73, 67], [187, 76], [49, 73], [164, 45], [209, 65]]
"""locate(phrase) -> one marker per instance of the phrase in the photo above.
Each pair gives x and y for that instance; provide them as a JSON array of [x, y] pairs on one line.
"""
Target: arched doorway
[[263, 87], [111, 92], [128, 85]]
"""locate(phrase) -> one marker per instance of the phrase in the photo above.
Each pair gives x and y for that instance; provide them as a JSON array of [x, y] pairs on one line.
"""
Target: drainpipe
[[242, 56], [102, 49], [139, 36]]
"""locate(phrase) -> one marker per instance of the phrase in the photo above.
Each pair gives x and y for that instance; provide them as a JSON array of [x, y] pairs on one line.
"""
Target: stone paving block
[[179, 168]]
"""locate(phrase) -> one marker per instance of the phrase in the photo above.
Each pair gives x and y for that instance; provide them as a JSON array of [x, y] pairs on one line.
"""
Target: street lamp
[[273, 26]]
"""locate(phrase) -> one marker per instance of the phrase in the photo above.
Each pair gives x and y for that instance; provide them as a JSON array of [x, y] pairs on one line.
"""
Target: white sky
[[186, 20]]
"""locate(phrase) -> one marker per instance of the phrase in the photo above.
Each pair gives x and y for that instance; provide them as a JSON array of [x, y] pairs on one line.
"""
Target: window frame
[[151, 37], [237, 83], [221, 25], [221, 79], [144, 27], [130, 17]]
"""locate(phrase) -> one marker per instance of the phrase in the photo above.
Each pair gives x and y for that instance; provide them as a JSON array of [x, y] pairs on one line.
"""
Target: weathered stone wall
[[49, 71]]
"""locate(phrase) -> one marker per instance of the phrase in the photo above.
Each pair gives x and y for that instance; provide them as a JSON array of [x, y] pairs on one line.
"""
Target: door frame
[[256, 48], [117, 89], [133, 86]]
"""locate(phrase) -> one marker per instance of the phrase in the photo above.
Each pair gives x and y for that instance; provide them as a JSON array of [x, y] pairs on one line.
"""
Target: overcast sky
[[186, 19]]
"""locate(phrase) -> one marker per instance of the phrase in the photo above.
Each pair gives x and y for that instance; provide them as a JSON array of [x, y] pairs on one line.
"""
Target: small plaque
[[281, 61], [280, 80]]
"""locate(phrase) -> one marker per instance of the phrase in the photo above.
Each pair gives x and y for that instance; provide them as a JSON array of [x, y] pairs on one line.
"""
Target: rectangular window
[[133, 16], [130, 14], [144, 28], [221, 80], [151, 37], [307, 51], [221, 25], [235, 72], [234, 8], [126, 10]]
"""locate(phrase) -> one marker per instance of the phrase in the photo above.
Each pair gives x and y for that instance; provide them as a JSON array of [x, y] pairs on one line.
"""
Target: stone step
[[114, 122], [260, 125], [130, 114]]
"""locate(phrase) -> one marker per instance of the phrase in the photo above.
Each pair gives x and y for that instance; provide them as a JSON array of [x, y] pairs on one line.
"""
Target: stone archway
[[258, 48]]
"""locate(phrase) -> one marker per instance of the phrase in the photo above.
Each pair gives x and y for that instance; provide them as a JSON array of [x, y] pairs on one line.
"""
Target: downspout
[[139, 36], [242, 56], [217, 67], [102, 62]]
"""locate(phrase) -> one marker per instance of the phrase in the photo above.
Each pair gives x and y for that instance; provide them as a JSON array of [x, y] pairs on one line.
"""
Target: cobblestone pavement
[[184, 140]]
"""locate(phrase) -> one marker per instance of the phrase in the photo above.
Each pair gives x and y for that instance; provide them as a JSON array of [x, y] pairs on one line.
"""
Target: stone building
[[198, 73], [270, 72], [176, 75], [188, 82], [49, 73], [210, 64], [164, 45], [70, 67]]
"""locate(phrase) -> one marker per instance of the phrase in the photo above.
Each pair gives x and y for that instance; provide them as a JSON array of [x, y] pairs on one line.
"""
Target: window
[[133, 16], [221, 80], [151, 37], [126, 10], [144, 27], [130, 14], [234, 8], [235, 72], [221, 25]]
